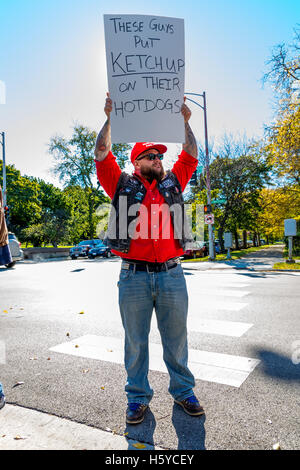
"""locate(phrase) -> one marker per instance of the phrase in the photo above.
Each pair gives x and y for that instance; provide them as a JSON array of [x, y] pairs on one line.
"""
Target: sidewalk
[[262, 260], [26, 429]]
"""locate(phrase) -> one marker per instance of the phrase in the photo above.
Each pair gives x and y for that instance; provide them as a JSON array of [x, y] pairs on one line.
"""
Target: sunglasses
[[152, 156]]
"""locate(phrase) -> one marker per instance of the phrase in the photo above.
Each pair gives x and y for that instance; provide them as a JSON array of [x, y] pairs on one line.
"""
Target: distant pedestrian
[[2, 397], [5, 255], [151, 275]]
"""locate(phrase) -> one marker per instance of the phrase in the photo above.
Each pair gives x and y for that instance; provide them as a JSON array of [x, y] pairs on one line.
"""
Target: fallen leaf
[[81, 313], [76, 346], [18, 438], [138, 445], [102, 388], [18, 383], [125, 433], [68, 334], [48, 358], [276, 446]]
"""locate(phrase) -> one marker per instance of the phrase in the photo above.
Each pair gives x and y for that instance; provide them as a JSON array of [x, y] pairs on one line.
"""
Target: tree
[[75, 166], [237, 175], [282, 142], [22, 199], [276, 205], [120, 151]]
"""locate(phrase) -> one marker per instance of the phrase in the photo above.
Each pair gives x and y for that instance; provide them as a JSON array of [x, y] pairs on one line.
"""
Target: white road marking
[[209, 303], [217, 291], [215, 327], [218, 327], [210, 366]]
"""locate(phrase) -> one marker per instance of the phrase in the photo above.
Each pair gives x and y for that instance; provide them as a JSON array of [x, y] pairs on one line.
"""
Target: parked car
[[198, 250], [83, 248], [217, 248], [100, 250], [15, 249]]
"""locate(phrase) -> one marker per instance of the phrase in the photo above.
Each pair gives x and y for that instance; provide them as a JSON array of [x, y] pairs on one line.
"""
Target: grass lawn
[[286, 266], [236, 254]]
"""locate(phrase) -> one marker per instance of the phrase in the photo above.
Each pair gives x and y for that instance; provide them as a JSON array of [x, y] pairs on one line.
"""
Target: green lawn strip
[[237, 254], [288, 266]]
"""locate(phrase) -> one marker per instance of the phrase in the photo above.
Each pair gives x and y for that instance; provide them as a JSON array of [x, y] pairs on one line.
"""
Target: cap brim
[[159, 147]]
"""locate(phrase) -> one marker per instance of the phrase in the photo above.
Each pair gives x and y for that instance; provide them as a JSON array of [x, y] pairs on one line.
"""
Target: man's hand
[[185, 111], [108, 105], [103, 143]]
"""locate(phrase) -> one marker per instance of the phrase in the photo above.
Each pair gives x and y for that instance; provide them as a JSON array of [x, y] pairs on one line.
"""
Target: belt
[[137, 265]]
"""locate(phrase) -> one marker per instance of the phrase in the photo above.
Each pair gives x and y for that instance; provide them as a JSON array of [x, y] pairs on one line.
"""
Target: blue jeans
[[139, 293]]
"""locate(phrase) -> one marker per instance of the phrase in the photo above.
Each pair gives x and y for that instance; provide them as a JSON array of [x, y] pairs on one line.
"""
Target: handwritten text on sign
[[145, 66]]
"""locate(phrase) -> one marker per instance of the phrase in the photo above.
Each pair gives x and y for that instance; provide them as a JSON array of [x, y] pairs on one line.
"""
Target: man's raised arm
[[190, 145], [103, 142]]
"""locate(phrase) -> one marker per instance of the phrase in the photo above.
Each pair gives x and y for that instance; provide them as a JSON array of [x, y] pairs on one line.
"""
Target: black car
[[100, 250], [83, 248]]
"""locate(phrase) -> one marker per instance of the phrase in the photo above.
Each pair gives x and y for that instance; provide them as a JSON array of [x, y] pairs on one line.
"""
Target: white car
[[15, 248]]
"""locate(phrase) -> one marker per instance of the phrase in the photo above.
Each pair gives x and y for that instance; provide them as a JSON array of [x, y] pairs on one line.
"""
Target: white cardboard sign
[[145, 67]]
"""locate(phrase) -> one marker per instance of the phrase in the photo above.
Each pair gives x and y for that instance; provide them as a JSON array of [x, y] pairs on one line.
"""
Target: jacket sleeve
[[184, 168], [108, 174]]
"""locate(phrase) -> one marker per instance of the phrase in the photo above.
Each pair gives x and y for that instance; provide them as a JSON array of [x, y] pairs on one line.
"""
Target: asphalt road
[[234, 314]]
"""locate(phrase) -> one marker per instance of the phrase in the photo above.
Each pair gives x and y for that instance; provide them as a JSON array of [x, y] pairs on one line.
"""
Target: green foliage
[[75, 167], [120, 151], [22, 198]]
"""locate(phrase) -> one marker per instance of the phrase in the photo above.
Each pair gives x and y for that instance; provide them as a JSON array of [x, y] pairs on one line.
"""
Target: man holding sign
[[151, 274]]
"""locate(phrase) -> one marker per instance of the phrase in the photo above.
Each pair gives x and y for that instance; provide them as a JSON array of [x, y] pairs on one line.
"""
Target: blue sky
[[52, 60]]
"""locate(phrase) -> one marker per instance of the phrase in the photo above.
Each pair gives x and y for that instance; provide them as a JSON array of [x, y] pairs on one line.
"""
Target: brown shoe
[[135, 413], [191, 406]]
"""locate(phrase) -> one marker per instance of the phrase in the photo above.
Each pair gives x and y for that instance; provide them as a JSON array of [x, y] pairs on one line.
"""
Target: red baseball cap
[[141, 147]]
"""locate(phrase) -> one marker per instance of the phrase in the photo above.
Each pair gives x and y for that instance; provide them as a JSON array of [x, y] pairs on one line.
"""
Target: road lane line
[[209, 366]]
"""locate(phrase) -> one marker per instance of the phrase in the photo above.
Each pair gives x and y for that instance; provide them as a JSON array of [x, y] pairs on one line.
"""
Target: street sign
[[227, 240], [218, 201], [209, 219], [290, 227]]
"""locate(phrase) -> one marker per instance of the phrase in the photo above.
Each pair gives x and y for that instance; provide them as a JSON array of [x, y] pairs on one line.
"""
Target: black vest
[[129, 195]]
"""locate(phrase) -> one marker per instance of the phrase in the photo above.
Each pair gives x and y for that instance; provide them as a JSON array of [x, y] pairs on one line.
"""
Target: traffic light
[[6, 212], [207, 209]]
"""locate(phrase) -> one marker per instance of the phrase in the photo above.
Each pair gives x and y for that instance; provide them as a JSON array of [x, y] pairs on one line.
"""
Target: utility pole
[[210, 226], [4, 168]]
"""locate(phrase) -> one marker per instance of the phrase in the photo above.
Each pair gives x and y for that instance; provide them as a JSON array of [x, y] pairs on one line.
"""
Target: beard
[[154, 173]]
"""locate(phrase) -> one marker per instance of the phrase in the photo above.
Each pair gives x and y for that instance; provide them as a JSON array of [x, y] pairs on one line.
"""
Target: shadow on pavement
[[141, 433], [279, 366], [264, 274], [190, 430]]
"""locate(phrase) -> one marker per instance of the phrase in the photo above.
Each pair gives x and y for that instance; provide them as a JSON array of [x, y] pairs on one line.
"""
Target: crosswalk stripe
[[209, 366], [197, 324], [220, 291], [218, 327], [203, 303]]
